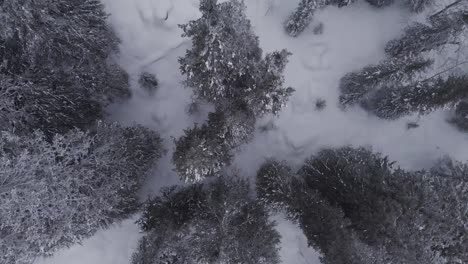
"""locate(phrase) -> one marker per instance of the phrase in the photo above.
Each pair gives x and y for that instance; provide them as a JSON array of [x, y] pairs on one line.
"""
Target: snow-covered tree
[[215, 222], [440, 31], [415, 78], [58, 56], [302, 17], [57, 193], [324, 224], [204, 151], [50, 105], [225, 67], [225, 64], [417, 217], [304, 14], [420, 97], [357, 87], [355, 207]]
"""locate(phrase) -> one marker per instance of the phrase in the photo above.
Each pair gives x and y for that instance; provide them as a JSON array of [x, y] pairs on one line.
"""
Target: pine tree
[[357, 87], [58, 56], [415, 216], [225, 67], [440, 31], [421, 97], [204, 151], [355, 207], [55, 194], [324, 225], [409, 81], [214, 222], [303, 15]]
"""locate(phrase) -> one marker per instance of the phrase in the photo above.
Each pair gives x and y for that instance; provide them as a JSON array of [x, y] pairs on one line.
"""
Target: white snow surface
[[353, 37]]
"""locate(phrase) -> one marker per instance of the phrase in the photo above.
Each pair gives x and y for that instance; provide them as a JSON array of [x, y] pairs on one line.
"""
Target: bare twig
[[446, 8]]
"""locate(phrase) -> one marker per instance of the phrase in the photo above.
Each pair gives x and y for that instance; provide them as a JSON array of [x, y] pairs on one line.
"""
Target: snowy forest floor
[[353, 37]]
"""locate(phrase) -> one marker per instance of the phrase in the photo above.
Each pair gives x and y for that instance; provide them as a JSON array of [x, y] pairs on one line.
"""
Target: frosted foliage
[[303, 15], [37, 29], [424, 210], [225, 64], [421, 97], [56, 65], [324, 225], [413, 80], [56, 194], [214, 222], [357, 86], [205, 150], [441, 30]]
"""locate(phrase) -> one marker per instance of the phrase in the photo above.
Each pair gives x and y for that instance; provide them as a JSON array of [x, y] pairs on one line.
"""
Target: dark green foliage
[[55, 194], [351, 201], [214, 222]]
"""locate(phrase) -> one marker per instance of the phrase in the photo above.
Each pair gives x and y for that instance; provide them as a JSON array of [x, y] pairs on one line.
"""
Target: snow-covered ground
[[353, 37]]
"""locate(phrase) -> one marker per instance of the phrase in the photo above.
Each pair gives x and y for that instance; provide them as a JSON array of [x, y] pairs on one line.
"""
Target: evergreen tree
[[225, 67], [205, 150], [55, 194], [214, 222], [352, 201], [357, 87], [324, 225], [56, 59], [441, 30], [409, 81], [416, 216], [301, 18], [304, 13], [420, 97]]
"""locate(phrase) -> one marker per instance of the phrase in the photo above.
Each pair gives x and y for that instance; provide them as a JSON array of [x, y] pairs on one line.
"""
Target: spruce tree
[[55, 194], [215, 222], [410, 79], [226, 67], [225, 64], [325, 225], [56, 60], [304, 14], [357, 87], [356, 207]]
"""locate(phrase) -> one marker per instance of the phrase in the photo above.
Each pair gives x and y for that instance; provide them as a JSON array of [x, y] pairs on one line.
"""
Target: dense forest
[[68, 171]]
